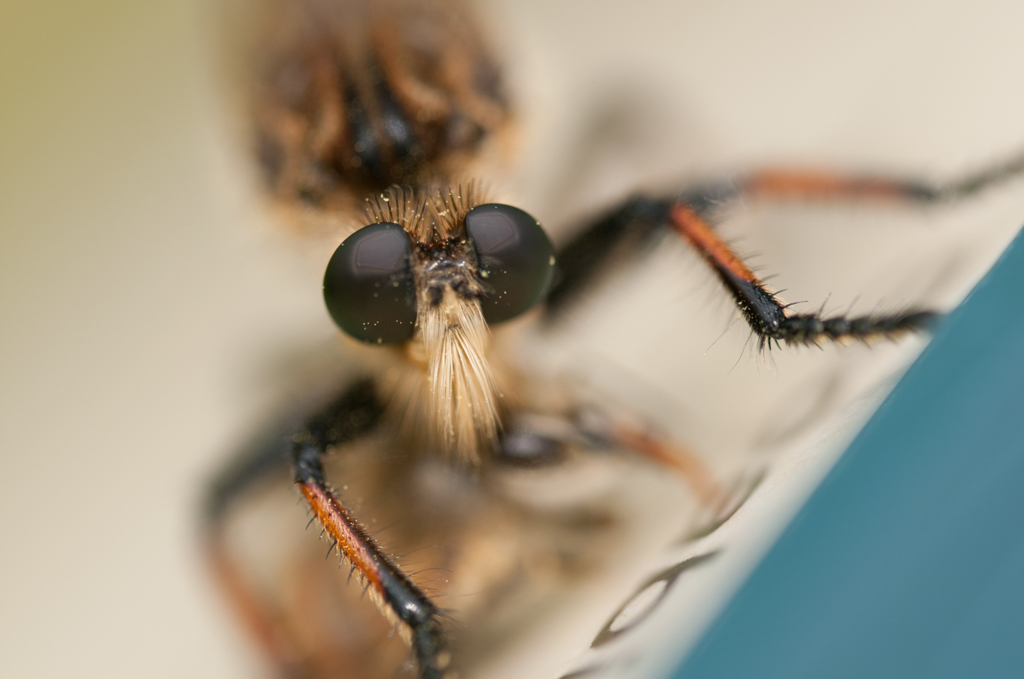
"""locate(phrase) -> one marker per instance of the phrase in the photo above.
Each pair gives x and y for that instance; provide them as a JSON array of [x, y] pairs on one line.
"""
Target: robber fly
[[381, 112]]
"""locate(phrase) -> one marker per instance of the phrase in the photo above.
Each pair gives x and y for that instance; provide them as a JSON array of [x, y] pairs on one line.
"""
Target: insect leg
[[355, 413], [532, 440], [764, 313], [781, 183], [684, 462], [395, 595], [624, 231], [621, 234], [788, 183]]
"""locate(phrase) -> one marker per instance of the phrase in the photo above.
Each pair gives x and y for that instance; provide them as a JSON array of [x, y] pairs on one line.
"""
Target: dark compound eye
[[516, 259], [368, 285]]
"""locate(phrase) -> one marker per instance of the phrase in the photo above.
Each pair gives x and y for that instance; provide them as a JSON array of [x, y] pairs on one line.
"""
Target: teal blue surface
[[908, 560]]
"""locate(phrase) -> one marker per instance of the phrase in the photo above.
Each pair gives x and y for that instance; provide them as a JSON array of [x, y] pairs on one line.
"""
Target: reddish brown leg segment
[[766, 316], [794, 183], [782, 183]]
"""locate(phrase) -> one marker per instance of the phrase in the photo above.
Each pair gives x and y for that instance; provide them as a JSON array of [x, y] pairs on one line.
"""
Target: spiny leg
[[395, 595], [354, 414], [766, 316], [628, 229], [625, 231]]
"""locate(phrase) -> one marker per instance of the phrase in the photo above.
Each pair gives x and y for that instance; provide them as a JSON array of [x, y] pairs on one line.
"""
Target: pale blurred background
[[141, 289]]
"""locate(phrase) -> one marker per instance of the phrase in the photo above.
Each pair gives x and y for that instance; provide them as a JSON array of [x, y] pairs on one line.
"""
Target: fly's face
[[353, 100], [431, 274]]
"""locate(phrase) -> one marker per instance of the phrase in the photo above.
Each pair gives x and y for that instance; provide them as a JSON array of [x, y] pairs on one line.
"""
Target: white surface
[[140, 294]]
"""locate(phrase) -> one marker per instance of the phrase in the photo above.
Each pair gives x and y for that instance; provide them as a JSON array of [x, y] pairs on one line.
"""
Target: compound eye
[[368, 285], [516, 259]]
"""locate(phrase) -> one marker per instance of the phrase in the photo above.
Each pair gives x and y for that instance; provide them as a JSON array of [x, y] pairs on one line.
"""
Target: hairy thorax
[[353, 97]]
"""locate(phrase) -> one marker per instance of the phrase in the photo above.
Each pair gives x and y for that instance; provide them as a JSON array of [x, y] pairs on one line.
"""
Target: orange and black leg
[[631, 228], [396, 596], [764, 313], [354, 414]]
